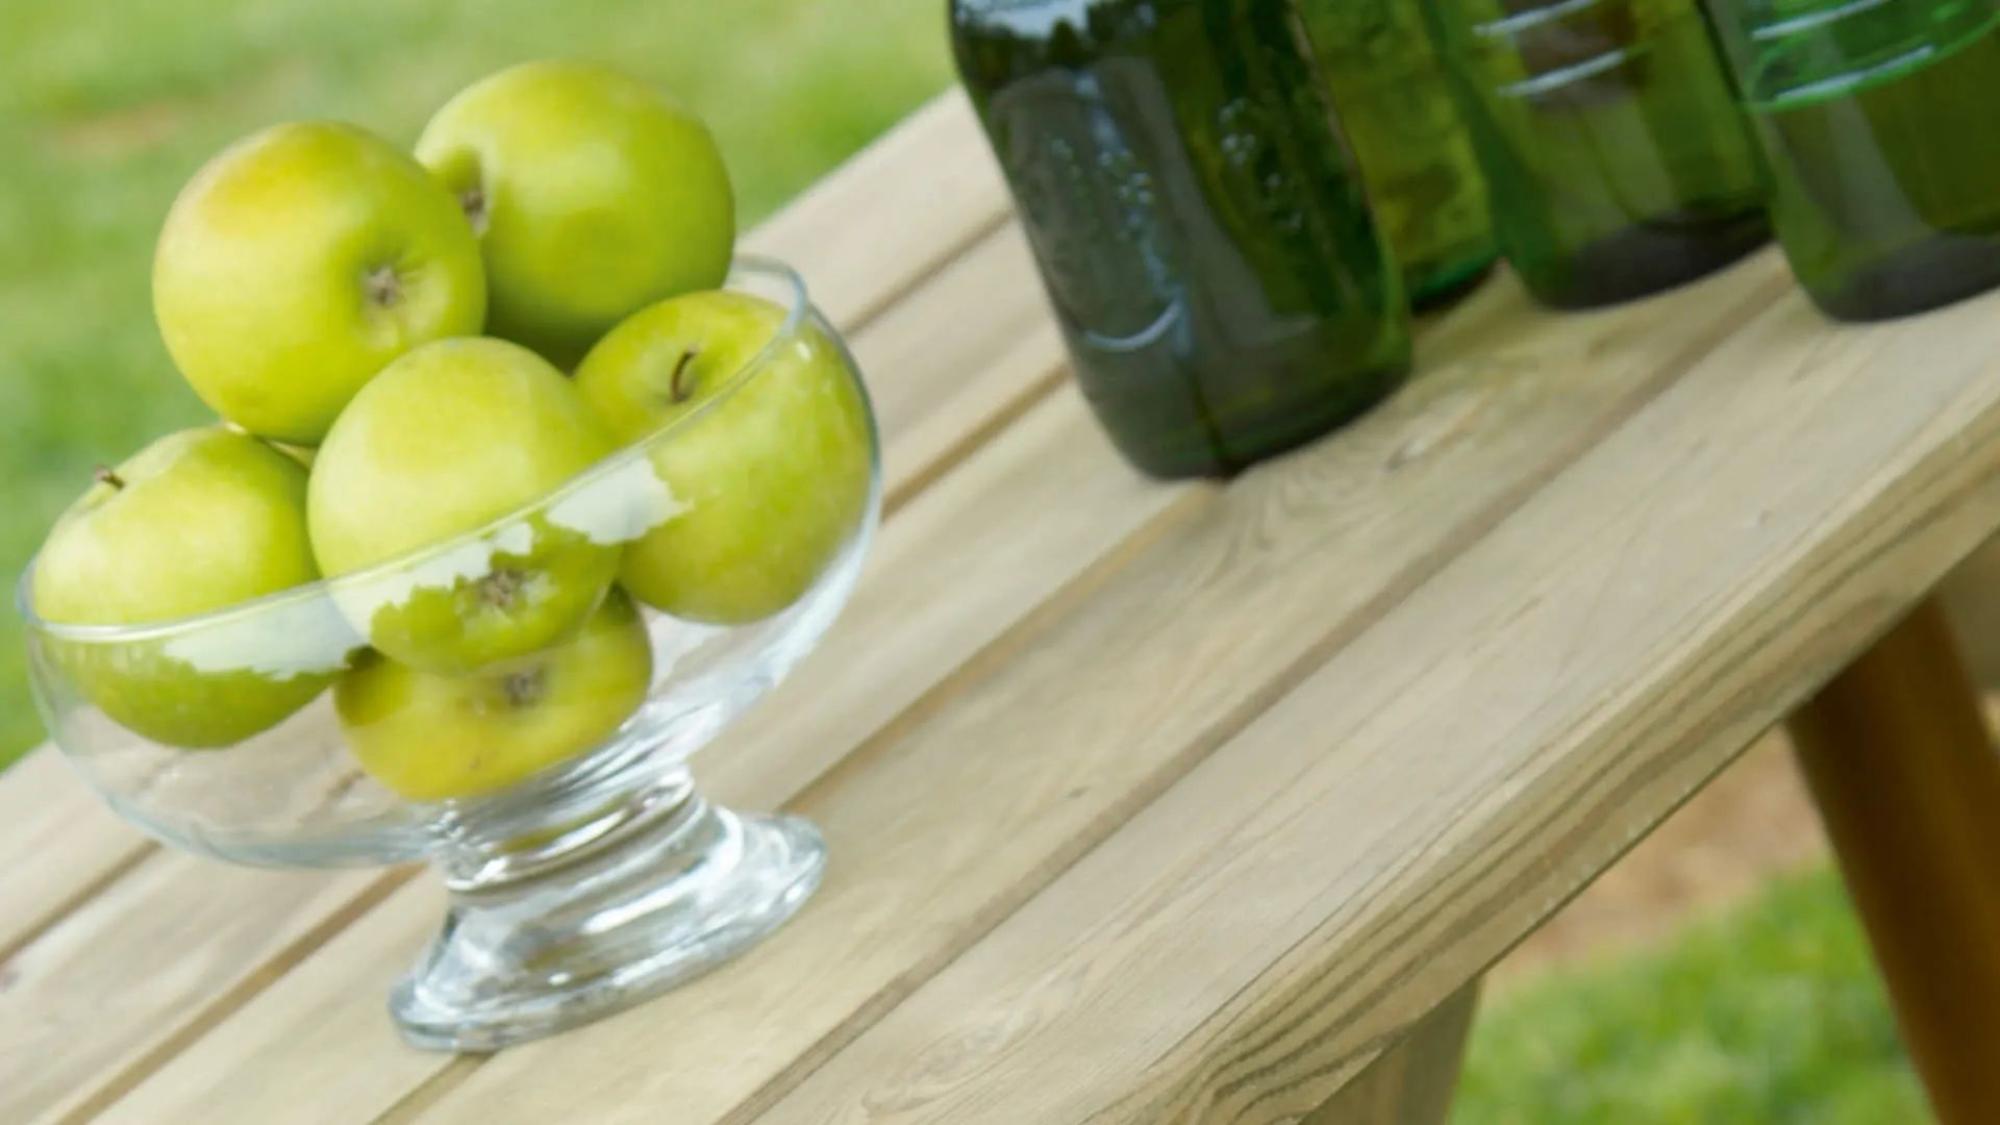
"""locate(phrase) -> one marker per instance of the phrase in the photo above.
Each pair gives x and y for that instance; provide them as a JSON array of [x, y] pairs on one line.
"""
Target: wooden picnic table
[[1179, 803]]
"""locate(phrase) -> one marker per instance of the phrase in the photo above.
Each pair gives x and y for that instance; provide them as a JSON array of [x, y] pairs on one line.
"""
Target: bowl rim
[[799, 312]]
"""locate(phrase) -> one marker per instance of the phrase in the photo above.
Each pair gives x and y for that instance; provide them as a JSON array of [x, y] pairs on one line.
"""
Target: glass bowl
[[551, 790]]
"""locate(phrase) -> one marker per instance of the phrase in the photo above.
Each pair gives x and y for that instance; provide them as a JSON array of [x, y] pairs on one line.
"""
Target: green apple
[[439, 447], [299, 262], [594, 194], [431, 737], [197, 521], [770, 468]]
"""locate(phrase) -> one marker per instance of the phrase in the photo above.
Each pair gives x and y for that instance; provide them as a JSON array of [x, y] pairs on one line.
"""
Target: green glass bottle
[[1416, 155], [1197, 216], [1881, 124], [1618, 160]]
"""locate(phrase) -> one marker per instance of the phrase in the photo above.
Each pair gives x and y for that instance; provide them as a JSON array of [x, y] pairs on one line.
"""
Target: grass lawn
[[1768, 1014], [107, 106]]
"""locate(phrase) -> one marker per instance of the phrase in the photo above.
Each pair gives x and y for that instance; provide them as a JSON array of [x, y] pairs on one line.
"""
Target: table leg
[[1412, 1082], [1898, 758]]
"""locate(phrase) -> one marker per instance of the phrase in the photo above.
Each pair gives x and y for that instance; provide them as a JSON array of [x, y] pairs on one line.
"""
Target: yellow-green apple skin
[[594, 195], [301, 261], [444, 442], [197, 521], [431, 737], [770, 468]]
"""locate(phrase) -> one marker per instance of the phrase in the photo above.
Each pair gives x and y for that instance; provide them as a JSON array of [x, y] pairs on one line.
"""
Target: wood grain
[[1411, 1082], [1447, 780], [962, 566], [314, 1047], [47, 811], [133, 965], [866, 235], [1903, 769], [940, 833], [981, 326]]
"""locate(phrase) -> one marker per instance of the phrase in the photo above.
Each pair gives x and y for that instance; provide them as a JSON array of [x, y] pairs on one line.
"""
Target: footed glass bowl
[[551, 789]]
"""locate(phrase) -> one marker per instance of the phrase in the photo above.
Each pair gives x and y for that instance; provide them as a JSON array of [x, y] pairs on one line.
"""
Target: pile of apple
[[404, 351]]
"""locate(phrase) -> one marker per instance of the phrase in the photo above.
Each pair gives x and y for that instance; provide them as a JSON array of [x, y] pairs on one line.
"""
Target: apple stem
[[682, 392], [105, 475]]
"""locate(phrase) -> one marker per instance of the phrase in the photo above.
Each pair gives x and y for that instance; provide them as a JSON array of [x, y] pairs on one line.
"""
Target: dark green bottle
[[1881, 124], [1199, 222], [1618, 160], [1416, 155]]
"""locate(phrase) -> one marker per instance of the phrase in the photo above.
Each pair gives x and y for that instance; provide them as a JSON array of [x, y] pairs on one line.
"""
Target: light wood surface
[[1212, 617], [870, 233], [1450, 776], [1901, 764], [141, 966], [1411, 1082], [45, 810], [1148, 803]]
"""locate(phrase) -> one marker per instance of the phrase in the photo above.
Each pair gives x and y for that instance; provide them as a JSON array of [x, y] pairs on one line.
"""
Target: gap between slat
[[90, 889], [223, 1006]]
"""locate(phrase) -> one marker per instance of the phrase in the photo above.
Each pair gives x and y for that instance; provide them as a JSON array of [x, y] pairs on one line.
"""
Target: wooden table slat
[[1445, 782], [868, 234], [959, 359], [941, 833], [314, 1047], [125, 974], [983, 331], [78, 843]]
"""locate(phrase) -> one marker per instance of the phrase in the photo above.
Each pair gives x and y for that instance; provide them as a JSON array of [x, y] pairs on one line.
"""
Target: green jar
[[1618, 161], [1415, 153], [1881, 124], [1198, 218]]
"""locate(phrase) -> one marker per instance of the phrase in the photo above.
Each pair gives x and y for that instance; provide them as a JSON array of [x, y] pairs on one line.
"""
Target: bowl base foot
[[528, 958]]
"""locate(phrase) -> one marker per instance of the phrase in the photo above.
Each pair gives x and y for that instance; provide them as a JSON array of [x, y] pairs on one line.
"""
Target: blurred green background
[[1768, 1013]]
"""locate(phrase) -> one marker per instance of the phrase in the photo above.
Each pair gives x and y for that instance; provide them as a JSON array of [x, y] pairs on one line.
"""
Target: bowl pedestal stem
[[580, 922]]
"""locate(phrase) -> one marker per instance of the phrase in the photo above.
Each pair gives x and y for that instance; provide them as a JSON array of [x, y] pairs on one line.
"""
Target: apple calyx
[[679, 390], [383, 287], [502, 588], [473, 202], [105, 474], [524, 688]]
